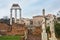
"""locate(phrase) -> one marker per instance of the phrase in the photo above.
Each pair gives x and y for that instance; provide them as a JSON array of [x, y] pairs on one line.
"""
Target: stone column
[[11, 17], [52, 30], [15, 15], [25, 35], [44, 34], [20, 16]]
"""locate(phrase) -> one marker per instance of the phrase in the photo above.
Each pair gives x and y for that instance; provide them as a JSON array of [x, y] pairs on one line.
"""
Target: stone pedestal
[[53, 37], [44, 36]]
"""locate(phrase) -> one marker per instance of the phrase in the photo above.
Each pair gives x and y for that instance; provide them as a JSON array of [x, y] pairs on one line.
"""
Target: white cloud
[[30, 7]]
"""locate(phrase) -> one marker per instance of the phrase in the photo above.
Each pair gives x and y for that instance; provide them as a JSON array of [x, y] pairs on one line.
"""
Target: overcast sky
[[30, 8]]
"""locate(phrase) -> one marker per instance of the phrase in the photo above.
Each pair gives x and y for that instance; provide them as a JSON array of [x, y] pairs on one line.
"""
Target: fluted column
[[11, 17], [20, 16], [15, 15]]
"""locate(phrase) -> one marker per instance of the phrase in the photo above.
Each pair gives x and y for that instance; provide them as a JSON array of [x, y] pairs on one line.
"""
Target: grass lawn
[[10, 37]]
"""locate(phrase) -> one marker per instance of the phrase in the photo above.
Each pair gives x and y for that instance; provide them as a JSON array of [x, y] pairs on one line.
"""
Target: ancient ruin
[[15, 7], [29, 29]]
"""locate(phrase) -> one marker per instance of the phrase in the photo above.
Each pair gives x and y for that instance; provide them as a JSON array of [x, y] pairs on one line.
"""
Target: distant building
[[37, 20]]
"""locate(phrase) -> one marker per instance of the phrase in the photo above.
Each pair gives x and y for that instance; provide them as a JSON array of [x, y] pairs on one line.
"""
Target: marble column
[[20, 16], [11, 17], [25, 35], [15, 15], [52, 30], [44, 34]]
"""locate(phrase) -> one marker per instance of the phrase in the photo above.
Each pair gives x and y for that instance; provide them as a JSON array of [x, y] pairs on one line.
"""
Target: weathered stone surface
[[44, 36]]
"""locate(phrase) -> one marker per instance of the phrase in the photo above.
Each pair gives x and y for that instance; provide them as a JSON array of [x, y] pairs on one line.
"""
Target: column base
[[44, 36], [53, 38]]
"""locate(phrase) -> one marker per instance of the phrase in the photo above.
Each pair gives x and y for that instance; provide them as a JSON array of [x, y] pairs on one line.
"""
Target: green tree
[[57, 29]]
